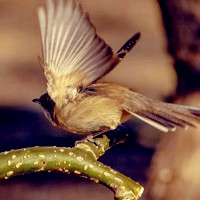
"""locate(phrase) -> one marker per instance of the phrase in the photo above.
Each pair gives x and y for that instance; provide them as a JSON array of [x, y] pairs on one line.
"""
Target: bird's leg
[[90, 137], [119, 135]]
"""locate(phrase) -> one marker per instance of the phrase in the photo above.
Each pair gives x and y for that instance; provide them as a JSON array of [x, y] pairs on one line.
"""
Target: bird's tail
[[163, 116], [128, 46]]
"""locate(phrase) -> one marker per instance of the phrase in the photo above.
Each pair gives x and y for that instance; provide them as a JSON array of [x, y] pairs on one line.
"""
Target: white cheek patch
[[71, 93], [48, 116]]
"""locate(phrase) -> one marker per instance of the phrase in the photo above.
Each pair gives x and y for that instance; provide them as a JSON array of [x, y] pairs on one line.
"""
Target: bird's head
[[48, 106]]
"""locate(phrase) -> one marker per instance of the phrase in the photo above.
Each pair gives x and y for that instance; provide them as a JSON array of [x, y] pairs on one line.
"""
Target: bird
[[74, 59]]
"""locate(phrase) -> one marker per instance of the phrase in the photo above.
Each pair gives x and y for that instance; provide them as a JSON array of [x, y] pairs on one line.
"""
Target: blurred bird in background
[[74, 58]]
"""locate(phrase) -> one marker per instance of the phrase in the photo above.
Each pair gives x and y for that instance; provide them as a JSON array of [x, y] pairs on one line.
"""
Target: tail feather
[[163, 116], [128, 46], [156, 123]]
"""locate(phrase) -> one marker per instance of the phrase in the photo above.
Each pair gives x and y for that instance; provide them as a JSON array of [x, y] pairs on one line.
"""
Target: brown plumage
[[74, 58]]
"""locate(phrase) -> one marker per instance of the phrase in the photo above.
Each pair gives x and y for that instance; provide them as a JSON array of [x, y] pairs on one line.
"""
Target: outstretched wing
[[73, 54]]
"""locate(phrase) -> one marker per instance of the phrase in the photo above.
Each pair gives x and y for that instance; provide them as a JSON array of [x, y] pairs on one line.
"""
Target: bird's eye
[[90, 90]]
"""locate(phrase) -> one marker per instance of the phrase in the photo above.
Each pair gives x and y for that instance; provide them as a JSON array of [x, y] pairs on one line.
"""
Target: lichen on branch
[[80, 160]]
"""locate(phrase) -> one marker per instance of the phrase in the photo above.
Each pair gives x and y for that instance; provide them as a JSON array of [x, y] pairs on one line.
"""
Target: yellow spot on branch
[[9, 162], [106, 174], [118, 180], [113, 186], [95, 180], [35, 163], [77, 172], [41, 169], [10, 173], [18, 165], [42, 156], [79, 158], [114, 172]]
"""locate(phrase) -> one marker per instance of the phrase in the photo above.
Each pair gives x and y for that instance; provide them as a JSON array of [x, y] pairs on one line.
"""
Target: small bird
[[74, 58]]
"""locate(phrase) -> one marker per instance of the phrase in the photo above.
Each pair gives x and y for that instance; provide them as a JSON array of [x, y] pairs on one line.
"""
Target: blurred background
[[148, 69]]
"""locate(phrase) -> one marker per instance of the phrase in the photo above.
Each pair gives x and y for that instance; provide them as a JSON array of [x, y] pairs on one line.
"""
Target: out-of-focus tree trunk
[[182, 24], [175, 171]]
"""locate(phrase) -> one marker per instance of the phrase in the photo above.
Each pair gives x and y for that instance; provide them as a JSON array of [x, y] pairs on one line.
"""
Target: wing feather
[[71, 48], [42, 23]]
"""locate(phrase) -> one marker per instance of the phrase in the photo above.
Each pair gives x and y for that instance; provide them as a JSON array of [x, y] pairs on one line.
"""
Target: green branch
[[80, 160]]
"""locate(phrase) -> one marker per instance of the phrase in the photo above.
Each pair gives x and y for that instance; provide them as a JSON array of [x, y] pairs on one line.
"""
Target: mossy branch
[[80, 160]]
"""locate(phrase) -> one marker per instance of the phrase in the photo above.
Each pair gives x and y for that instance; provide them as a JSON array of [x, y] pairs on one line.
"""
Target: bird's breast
[[89, 114]]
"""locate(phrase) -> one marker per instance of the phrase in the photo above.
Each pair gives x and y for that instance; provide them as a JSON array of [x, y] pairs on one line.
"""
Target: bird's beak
[[36, 100]]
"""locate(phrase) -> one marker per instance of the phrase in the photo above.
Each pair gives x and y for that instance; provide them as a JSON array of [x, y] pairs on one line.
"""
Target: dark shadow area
[[20, 128]]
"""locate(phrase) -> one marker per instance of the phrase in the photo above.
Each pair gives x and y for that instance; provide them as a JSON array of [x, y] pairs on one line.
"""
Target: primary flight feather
[[74, 57]]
